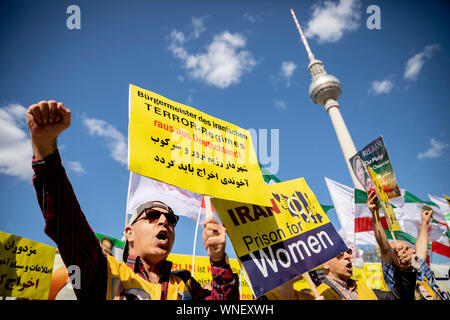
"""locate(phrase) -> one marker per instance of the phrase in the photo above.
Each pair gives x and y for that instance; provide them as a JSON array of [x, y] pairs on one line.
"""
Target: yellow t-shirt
[[364, 292], [274, 295], [123, 281]]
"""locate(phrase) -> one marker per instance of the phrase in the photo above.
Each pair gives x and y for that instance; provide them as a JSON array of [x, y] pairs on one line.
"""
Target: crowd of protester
[[145, 272]]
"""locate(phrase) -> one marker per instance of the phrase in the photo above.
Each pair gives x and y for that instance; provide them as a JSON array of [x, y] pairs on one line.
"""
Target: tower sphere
[[324, 86]]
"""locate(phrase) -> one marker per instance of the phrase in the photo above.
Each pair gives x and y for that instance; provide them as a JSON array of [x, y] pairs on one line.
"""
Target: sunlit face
[[151, 239], [340, 267], [106, 247]]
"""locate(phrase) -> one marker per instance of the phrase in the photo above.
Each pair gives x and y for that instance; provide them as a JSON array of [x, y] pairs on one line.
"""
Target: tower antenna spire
[[302, 36], [325, 90]]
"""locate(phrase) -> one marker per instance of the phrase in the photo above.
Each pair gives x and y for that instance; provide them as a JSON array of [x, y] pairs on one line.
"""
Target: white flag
[[343, 198], [183, 202], [444, 215], [356, 218]]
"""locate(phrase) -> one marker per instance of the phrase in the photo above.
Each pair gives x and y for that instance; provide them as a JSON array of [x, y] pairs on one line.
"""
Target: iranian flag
[[356, 219], [444, 205]]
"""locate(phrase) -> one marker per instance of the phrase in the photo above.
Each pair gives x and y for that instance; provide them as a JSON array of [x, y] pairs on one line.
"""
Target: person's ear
[[129, 233], [326, 266]]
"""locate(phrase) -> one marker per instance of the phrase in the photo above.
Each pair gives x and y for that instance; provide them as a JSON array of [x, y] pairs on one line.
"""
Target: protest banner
[[374, 276], [281, 242], [25, 267], [187, 148], [386, 205], [203, 271], [375, 155]]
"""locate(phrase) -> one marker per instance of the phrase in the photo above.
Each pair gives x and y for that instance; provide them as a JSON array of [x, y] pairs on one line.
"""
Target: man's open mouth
[[162, 235]]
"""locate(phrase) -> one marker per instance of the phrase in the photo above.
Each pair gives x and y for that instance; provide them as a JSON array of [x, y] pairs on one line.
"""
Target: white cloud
[[415, 63], [331, 20], [380, 87], [74, 166], [199, 28], [176, 46], [436, 150], [252, 17], [223, 62], [287, 70], [15, 146], [280, 104], [116, 141]]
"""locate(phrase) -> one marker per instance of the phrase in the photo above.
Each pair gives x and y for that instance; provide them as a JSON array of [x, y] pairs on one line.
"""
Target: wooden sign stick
[[311, 284], [208, 206]]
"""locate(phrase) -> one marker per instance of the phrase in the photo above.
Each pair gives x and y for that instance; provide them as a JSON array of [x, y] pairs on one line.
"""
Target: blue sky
[[240, 61]]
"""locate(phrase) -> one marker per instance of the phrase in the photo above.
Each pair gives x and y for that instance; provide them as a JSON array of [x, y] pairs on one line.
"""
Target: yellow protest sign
[[391, 219], [202, 272], [185, 147], [25, 267], [373, 273], [281, 242]]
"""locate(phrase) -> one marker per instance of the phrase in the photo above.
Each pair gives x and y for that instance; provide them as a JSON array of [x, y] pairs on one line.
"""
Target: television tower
[[325, 90]]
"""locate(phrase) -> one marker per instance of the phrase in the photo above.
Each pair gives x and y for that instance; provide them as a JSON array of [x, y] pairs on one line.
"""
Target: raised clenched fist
[[46, 120]]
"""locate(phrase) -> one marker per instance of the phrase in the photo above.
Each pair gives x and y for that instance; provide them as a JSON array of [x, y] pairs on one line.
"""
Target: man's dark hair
[[107, 239]]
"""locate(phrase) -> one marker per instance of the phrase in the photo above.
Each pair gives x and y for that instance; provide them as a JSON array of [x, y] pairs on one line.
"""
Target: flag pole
[[240, 283], [124, 237], [128, 199], [195, 240]]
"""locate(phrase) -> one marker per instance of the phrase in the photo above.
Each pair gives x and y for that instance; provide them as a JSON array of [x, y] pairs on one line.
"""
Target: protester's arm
[[422, 238], [225, 284], [380, 235], [65, 222], [405, 276]]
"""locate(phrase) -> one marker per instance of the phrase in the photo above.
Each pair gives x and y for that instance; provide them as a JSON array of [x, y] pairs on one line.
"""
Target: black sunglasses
[[340, 256], [153, 215]]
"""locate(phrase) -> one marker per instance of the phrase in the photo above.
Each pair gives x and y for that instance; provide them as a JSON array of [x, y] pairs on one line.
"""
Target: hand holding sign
[[214, 239], [372, 201]]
